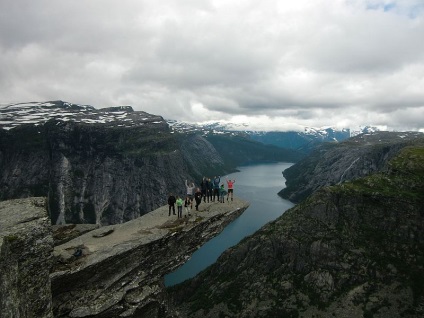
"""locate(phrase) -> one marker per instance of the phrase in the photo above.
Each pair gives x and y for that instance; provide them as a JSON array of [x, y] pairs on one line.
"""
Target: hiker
[[210, 190], [187, 203], [179, 207], [222, 193], [190, 192], [198, 198], [216, 181], [204, 187], [171, 203], [230, 186]]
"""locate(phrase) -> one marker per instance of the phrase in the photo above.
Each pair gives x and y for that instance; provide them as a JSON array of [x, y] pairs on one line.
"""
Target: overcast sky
[[273, 64]]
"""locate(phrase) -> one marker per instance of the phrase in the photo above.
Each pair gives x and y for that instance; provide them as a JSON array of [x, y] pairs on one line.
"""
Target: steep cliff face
[[334, 163], [352, 250], [26, 245], [91, 173], [100, 171], [202, 157]]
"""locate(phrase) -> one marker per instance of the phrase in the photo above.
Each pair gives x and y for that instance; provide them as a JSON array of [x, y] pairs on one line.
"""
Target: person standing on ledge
[[187, 203], [198, 198], [222, 193], [171, 203], [190, 192], [180, 207], [210, 190], [216, 181], [230, 185], [204, 187]]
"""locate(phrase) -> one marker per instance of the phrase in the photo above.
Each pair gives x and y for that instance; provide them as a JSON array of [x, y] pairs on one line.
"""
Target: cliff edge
[[26, 246], [118, 270]]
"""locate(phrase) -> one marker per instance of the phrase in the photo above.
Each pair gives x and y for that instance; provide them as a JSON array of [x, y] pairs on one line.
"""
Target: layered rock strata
[[117, 270], [26, 246]]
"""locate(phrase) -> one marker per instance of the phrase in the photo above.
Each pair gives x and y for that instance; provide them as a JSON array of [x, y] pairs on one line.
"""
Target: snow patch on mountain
[[37, 113]]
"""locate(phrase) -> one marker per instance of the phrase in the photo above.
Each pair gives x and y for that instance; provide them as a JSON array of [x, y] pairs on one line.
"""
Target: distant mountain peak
[[37, 113]]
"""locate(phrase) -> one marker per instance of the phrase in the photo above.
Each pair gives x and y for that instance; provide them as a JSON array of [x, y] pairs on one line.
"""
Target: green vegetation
[[404, 180]]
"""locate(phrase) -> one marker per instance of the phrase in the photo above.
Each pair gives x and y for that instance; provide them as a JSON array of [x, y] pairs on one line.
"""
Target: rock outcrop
[[351, 250], [335, 163], [118, 270], [26, 247], [112, 271]]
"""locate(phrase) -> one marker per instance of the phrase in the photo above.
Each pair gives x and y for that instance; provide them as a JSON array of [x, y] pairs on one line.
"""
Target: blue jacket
[[216, 182]]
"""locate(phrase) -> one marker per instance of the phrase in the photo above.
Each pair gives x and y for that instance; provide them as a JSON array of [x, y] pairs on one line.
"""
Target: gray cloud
[[342, 63]]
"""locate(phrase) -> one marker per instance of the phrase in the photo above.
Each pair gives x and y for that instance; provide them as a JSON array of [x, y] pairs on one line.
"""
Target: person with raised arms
[[230, 186]]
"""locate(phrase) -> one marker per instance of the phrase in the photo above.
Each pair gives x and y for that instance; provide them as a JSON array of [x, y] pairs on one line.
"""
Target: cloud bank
[[272, 64]]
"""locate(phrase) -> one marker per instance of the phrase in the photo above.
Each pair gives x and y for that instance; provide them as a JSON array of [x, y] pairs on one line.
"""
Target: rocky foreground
[[26, 246], [111, 271]]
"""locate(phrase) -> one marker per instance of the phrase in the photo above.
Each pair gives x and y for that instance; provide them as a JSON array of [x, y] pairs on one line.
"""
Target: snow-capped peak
[[36, 113]]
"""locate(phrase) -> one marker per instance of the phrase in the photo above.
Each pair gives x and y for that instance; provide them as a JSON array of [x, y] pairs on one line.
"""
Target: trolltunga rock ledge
[[118, 270]]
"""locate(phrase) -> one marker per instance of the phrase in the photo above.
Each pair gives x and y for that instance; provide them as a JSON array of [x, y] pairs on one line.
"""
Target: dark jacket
[[198, 196], [204, 185], [171, 200]]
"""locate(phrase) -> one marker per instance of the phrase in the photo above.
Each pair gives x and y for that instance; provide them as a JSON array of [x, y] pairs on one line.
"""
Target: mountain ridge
[[334, 163], [304, 140]]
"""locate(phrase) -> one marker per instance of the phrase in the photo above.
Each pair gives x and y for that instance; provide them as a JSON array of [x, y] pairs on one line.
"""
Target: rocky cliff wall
[[335, 163], [352, 250], [100, 174], [26, 247]]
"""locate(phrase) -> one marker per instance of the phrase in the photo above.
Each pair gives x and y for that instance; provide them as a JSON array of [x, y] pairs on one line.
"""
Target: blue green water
[[258, 184]]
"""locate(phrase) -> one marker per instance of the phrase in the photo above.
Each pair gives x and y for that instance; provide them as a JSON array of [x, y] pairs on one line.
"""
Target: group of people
[[172, 201], [210, 189]]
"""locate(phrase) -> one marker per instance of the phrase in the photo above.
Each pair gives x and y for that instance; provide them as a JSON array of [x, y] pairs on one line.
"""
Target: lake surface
[[257, 184]]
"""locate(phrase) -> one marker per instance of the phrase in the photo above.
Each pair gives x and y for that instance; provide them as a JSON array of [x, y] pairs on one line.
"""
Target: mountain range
[[37, 113], [303, 141], [110, 165]]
